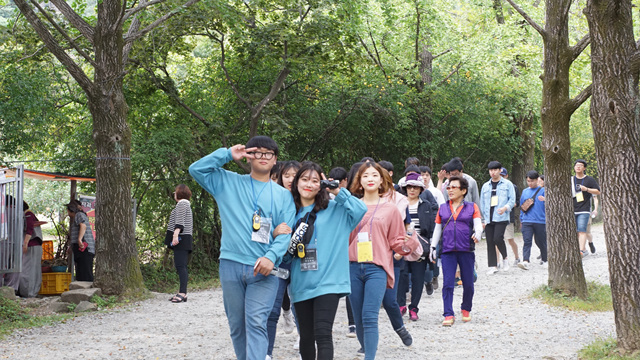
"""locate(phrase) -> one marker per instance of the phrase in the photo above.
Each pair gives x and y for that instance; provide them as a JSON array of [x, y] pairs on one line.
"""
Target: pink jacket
[[387, 235]]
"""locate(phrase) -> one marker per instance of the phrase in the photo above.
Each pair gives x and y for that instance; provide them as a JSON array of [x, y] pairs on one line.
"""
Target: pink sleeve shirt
[[387, 233]]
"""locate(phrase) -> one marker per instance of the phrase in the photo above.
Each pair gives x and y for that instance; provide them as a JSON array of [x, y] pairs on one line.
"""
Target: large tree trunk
[[565, 263], [616, 128], [117, 266]]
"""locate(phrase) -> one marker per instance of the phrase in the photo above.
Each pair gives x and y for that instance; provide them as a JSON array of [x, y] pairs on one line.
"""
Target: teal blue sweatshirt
[[236, 196], [331, 240]]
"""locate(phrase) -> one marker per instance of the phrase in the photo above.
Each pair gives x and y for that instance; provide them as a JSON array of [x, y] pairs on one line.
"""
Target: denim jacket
[[506, 196]]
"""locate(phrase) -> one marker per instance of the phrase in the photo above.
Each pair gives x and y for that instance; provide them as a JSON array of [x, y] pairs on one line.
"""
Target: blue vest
[[456, 233]]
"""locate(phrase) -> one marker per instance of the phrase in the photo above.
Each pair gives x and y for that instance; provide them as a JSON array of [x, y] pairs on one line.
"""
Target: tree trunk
[[616, 128], [526, 162], [565, 263], [497, 7], [117, 265]]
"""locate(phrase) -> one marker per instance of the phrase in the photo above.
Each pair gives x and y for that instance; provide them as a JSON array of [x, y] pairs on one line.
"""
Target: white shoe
[[505, 265], [544, 264], [268, 358], [524, 265], [289, 322], [492, 270]]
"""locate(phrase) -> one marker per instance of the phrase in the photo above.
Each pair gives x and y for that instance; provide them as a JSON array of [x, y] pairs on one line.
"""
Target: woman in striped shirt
[[179, 237]]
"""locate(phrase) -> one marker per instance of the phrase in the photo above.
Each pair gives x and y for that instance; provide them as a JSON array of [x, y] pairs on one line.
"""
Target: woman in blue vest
[[460, 225]]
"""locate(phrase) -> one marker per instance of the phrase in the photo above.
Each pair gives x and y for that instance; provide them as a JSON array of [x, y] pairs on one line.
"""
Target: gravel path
[[507, 324]]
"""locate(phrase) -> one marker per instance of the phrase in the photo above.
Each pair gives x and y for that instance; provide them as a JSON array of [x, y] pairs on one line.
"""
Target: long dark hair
[[322, 197], [286, 165]]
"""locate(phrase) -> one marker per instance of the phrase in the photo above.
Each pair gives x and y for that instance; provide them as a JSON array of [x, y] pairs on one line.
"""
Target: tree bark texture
[[521, 165], [565, 263], [117, 266], [616, 127]]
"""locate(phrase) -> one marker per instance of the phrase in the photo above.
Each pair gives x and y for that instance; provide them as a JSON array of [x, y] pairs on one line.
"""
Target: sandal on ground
[[172, 297], [179, 298]]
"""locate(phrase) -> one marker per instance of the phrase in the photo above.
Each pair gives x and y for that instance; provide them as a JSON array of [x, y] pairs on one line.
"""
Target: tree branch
[[85, 29], [133, 28], [64, 34], [167, 16], [74, 70], [142, 6], [172, 93], [531, 22], [579, 47], [275, 89], [455, 70], [226, 72], [579, 99], [442, 53]]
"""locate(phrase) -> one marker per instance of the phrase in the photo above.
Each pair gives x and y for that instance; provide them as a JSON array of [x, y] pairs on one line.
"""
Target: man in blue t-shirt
[[249, 206], [533, 220]]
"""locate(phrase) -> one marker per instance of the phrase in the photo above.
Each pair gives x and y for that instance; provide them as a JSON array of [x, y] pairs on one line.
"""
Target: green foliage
[[165, 280], [104, 302], [13, 316], [357, 87], [10, 311], [604, 349], [599, 298]]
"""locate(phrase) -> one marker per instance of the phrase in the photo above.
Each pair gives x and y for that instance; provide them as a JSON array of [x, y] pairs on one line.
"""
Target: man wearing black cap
[[497, 198], [583, 188]]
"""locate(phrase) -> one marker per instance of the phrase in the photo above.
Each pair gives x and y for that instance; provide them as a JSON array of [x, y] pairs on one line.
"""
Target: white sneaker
[[289, 322], [524, 265], [544, 264], [505, 265], [268, 358], [492, 270]]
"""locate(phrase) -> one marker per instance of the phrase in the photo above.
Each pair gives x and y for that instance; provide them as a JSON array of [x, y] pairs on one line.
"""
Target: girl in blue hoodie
[[320, 267]]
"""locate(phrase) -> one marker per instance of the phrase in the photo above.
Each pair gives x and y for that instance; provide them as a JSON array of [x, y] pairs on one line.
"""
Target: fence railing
[[11, 220]]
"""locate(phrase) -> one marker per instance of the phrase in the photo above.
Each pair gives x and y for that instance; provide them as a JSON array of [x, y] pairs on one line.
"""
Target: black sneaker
[[429, 287], [592, 247], [407, 340]]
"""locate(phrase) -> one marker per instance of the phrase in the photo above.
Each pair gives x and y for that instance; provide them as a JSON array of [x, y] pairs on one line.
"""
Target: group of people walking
[[361, 236]]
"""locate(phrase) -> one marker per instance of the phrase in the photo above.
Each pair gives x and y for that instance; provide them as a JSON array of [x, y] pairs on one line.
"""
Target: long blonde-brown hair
[[385, 187]]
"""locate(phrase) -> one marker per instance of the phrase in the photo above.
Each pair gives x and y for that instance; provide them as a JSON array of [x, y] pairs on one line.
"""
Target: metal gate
[[11, 220]]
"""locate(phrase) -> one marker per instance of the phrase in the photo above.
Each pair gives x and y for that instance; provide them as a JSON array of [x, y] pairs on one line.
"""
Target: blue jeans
[[529, 230], [390, 302], [248, 300], [582, 220], [368, 284], [274, 315], [450, 262]]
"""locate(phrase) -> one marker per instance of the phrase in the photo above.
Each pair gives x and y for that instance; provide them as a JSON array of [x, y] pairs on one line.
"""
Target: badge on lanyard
[[365, 248], [494, 200], [310, 261], [579, 196], [264, 231]]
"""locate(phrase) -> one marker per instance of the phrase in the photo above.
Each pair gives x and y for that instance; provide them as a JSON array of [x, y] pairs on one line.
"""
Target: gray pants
[[31, 276]]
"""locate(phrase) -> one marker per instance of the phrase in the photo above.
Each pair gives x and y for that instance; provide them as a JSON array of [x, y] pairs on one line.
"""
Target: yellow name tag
[[494, 201], [365, 251], [579, 196]]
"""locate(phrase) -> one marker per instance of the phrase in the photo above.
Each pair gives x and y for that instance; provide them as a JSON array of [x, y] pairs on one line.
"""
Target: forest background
[[329, 81]]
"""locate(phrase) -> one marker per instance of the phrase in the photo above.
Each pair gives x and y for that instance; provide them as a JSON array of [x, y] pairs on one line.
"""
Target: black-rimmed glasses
[[260, 155]]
